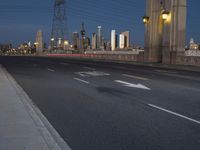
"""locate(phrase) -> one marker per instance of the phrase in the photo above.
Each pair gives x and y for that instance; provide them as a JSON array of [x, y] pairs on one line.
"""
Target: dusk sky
[[20, 19]]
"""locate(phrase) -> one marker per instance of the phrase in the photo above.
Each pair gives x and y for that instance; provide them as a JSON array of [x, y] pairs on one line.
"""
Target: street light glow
[[145, 19], [165, 15]]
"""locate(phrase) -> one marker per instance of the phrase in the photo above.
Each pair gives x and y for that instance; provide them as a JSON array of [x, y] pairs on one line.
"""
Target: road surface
[[109, 106]]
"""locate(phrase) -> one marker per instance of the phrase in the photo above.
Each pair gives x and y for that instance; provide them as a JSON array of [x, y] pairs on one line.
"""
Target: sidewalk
[[22, 125]]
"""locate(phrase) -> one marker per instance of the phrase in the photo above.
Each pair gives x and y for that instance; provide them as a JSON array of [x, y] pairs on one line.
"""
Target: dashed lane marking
[[135, 77], [86, 82], [51, 70], [174, 113]]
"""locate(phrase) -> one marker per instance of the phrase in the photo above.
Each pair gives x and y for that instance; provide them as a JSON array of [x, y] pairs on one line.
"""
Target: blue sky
[[20, 19]]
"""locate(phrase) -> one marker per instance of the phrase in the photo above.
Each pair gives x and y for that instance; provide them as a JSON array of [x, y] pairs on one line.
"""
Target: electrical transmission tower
[[59, 28]]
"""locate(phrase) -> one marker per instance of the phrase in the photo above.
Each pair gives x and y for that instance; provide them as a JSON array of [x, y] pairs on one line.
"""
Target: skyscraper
[[99, 37], [39, 41], [83, 38], [127, 39], [76, 40], [113, 40], [121, 41], [94, 41]]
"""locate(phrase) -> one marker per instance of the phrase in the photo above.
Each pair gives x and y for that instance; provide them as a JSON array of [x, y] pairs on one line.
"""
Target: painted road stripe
[[65, 64], [51, 70], [89, 68], [135, 77], [81, 80], [166, 71], [174, 113]]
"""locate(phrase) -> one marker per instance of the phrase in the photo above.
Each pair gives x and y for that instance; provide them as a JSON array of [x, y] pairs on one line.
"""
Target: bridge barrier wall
[[176, 60], [188, 60], [113, 57]]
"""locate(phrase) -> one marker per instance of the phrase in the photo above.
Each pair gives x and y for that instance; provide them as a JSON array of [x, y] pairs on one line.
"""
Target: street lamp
[[165, 15], [145, 19], [66, 43]]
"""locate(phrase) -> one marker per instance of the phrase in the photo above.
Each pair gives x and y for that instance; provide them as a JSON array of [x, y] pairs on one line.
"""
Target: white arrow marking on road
[[139, 86]]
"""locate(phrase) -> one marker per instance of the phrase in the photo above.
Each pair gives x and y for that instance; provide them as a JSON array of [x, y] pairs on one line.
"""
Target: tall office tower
[[39, 41], [87, 43], [121, 41], [59, 27], [99, 37], [113, 40], [94, 41], [83, 38], [76, 40], [127, 39]]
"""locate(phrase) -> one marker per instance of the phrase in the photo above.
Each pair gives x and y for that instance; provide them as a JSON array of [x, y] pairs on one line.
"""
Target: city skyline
[[14, 22]]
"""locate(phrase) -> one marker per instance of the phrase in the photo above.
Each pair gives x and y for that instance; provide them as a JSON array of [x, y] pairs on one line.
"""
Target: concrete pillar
[[174, 30], [153, 32], [164, 38]]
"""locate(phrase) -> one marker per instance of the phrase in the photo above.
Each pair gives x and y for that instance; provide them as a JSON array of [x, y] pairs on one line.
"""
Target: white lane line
[[166, 71], [174, 113], [51, 70], [89, 68], [65, 64], [81, 80], [135, 77]]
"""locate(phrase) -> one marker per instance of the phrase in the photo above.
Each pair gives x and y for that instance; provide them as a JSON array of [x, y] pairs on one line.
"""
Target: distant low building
[[5, 47], [193, 45]]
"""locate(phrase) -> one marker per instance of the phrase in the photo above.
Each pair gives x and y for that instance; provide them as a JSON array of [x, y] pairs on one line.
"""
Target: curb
[[51, 137]]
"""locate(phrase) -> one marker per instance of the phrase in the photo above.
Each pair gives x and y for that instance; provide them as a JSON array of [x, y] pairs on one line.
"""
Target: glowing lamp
[[165, 15], [145, 19], [66, 43]]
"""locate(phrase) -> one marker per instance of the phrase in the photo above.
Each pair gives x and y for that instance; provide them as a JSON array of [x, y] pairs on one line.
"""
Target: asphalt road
[[109, 106]]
